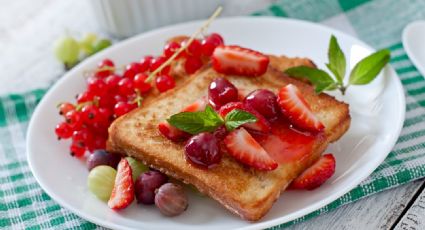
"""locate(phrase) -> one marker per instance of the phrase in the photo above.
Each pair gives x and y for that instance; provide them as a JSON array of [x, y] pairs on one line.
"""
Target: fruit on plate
[[221, 92], [137, 167], [101, 157], [297, 110], [146, 184], [123, 192], [171, 199], [171, 132], [315, 175], [261, 125], [236, 60], [101, 181], [202, 150], [263, 101], [245, 149]]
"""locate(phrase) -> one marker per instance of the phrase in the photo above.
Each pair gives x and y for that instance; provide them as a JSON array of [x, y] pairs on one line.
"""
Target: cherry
[[74, 119], [65, 107], [164, 82], [106, 63], [221, 92], [210, 43], [192, 64], [126, 86], [122, 108], [264, 101], [202, 150], [194, 49], [157, 62], [63, 130], [170, 49], [140, 84]]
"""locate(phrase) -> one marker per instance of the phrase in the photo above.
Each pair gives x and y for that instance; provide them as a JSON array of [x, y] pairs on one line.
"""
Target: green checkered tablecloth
[[24, 205]]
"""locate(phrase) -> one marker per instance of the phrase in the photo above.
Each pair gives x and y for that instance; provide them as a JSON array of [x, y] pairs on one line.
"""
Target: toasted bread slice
[[246, 192]]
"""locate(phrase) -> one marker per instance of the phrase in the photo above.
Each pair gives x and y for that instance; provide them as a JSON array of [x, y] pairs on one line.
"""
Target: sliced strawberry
[[172, 133], [261, 125], [296, 109], [198, 105], [123, 191], [242, 146], [239, 61], [317, 174]]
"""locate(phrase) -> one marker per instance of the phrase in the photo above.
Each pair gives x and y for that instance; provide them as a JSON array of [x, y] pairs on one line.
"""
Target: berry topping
[[170, 48], [192, 64], [221, 92], [316, 175], [122, 108], [146, 184], [210, 43], [164, 82], [244, 148], [194, 49], [126, 86], [202, 150], [198, 105], [261, 125], [171, 132], [171, 199], [146, 63], [296, 109], [157, 62], [140, 84], [101, 157], [123, 191], [263, 101], [104, 68], [239, 61]]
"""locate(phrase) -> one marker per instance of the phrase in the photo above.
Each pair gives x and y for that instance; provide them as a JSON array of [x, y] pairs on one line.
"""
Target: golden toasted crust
[[245, 191]]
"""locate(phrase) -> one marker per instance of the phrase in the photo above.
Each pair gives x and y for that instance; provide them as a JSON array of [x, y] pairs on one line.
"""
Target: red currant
[[99, 142], [164, 82], [74, 119], [111, 83], [90, 113], [106, 63], [210, 43], [105, 115], [192, 64], [132, 69], [81, 137], [65, 107], [126, 86], [140, 84], [96, 86], [122, 108], [157, 62], [63, 130], [84, 97], [119, 98], [146, 63], [170, 49], [77, 151], [194, 49]]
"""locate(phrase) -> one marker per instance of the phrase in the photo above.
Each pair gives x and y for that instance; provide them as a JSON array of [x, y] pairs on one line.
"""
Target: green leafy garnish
[[363, 72], [208, 120]]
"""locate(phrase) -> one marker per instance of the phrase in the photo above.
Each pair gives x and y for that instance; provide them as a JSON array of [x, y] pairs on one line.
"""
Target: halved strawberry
[[261, 125], [123, 191], [296, 109], [242, 146], [317, 174], [172, 133], [239, 61], [198, 105]]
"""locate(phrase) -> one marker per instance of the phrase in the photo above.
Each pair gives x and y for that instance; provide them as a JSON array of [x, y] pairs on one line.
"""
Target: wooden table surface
[[27, 31]]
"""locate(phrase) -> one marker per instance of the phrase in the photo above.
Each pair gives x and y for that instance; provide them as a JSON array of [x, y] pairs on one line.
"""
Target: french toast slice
[[245, 191]]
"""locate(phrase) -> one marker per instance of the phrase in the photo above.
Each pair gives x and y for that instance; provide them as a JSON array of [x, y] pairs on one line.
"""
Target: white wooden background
[[28, 29]]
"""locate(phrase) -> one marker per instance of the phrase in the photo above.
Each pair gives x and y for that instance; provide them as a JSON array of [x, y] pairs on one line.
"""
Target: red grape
[[101, 157], [146, 184], [202, 150]]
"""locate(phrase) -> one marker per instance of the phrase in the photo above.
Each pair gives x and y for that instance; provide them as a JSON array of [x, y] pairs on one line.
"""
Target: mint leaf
[[237, 118], [368, 68], [196, 122], [319, 78], [337, 62]]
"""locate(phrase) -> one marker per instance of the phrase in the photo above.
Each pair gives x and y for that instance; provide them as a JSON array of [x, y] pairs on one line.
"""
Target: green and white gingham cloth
[[24, 205]]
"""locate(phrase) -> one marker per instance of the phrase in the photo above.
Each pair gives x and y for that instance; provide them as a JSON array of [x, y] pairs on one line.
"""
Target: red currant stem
[[138, 100], [95, 102], [196, 34]]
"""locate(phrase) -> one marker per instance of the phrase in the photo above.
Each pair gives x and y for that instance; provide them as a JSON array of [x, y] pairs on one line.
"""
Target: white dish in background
[[377, 112], [414, 43]]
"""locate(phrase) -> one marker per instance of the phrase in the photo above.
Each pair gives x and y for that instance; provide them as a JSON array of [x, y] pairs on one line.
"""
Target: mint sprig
[[363, 72], [208, 120]]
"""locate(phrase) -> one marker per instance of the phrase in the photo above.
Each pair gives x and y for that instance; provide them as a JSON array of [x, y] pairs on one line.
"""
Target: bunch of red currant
[[109, 95]]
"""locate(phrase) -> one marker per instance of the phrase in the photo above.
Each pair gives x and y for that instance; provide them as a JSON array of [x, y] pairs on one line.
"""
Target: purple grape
[[221, 92], [101, 157], [146, 184], [171, 199], [202, 150], [263, 101]]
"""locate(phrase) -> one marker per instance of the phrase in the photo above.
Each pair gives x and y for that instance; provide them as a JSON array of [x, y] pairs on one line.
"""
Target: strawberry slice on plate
[[297, 110], [316, 175], [172, 133], [261, 125], [239, 61], [244, 148], [198, 105], [123, 191]]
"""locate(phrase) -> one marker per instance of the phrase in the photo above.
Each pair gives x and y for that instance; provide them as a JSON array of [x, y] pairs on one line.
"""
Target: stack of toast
[[245, 191]]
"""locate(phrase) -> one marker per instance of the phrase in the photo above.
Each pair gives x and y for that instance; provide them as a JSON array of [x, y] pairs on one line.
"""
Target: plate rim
[[255, 225]]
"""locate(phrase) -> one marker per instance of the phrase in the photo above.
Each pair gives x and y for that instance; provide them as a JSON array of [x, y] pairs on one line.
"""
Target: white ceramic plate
[[413, 42], [377, 112]]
